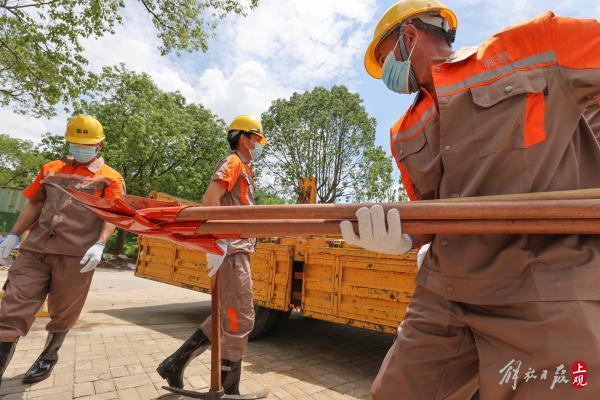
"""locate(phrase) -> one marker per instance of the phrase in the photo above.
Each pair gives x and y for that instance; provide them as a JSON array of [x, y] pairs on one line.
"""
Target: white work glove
[[6, 247], [372, 233], [92, 257], [214, 261], [421, 254]]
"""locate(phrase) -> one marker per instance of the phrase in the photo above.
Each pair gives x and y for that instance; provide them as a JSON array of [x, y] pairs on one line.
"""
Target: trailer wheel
[[265, 319]]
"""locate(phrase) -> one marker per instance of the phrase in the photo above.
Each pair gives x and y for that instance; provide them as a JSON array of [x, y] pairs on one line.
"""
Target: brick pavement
[[126, 330]]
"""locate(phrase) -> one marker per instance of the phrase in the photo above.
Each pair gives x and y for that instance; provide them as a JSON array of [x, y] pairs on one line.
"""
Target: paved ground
[[130, 324]]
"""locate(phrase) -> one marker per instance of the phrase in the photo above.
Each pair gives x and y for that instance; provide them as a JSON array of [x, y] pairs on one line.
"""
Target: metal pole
[[215, 362], [472, 210], [462, 227]]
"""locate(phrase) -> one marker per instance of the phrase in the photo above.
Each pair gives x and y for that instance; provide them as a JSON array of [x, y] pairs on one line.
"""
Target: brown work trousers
[[445, 350], [237, 307], [31, 278]]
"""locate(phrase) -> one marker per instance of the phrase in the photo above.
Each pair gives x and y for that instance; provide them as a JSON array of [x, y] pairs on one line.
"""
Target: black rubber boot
[[7, 349], [231, 372], [42, 367], [173, 366]]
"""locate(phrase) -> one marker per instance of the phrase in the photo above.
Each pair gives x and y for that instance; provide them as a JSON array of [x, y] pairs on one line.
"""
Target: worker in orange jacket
[[63, 248], [231, 185], [515, 315]]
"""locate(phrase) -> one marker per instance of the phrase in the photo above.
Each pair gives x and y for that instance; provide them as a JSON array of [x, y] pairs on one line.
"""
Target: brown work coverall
[[592, 117], [237, 307], [49, 259], [516, 315]]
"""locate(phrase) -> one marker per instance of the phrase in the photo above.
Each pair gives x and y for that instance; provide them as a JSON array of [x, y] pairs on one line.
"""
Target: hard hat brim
[[77, 140], [372, 66], [262, 139]]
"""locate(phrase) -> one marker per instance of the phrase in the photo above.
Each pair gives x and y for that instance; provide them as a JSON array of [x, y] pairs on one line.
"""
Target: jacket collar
[[462, 54], [241, 157], [93, 166]]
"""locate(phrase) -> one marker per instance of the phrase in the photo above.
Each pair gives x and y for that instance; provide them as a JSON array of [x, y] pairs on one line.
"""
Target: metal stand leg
[[216, 391]]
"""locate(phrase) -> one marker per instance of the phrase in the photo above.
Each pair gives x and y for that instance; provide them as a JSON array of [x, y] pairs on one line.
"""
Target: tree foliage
[[263, 196], [374, 182], [329, 135], [41, 56], [53, 147], [186, 25], [20, 161], [155, 139]]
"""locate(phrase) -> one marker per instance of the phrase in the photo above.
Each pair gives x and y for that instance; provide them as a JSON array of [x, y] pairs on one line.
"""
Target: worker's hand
[[372, 233], [92, 257], [422, 253], [215, 261], [6, 247]]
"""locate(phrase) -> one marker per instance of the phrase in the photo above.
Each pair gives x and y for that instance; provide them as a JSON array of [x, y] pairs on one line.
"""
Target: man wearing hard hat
[[515, 315], [62, 249], [231, 185]]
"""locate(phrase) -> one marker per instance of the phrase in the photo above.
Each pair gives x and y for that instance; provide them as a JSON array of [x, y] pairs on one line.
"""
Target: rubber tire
[[265, 319]]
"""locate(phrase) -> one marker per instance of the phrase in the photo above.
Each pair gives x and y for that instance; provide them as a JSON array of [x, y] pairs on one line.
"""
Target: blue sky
[[281, 47]]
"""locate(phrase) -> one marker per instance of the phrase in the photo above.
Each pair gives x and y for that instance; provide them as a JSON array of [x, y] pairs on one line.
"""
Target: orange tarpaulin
[[148, 217]]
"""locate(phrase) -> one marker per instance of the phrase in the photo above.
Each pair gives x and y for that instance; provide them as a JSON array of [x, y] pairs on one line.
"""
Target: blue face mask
[[256, 151], [397, 75], [83, 154]]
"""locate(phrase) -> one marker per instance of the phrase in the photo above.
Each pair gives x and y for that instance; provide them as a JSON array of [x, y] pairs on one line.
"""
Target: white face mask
[[397, 74], [256, 151], [82, 153]]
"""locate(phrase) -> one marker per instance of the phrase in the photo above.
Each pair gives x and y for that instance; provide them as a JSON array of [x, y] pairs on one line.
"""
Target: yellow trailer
[[323, 278]]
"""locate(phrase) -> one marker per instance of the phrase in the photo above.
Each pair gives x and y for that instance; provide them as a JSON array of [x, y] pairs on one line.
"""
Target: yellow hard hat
[[84, 129], [247, 123], [399, 12]]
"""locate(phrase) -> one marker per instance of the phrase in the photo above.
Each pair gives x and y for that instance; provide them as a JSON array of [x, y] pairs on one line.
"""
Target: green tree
[[41, 57], [155, 139], [20, 161], [329, 135], [263, 196], [53, 147], [374, 180]]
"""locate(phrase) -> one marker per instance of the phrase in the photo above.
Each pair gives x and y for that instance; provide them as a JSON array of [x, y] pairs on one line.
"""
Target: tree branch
[[11, 94], [20, 6], [157, 17]]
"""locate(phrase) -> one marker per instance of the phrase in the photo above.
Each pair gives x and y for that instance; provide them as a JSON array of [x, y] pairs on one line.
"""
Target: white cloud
[[283, 47], [21, 127], [29, 128], [135, 44], [247, 90], [279, 48]]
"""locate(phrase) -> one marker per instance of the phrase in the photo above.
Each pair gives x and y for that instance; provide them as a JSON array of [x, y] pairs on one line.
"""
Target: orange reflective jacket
[[65, 227], [508, 119]]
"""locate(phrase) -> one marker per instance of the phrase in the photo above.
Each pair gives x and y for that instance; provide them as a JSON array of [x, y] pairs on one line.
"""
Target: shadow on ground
[[307, 351], [156, 316]]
